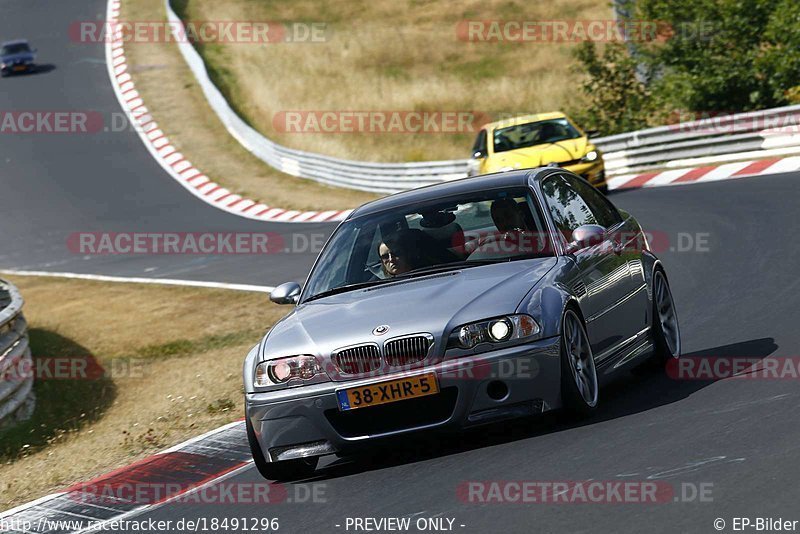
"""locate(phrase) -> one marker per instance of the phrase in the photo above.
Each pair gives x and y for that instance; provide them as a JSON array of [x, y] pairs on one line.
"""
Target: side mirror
[[584, 236], [478, 154], [592, 133], [288, 293]]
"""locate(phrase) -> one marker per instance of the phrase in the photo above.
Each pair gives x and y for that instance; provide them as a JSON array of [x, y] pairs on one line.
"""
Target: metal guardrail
[[766, 130], [16, 379], [673, 146]]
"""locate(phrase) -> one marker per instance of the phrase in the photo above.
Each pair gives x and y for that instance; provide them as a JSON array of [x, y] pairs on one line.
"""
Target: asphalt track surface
[[736, 296], [53, 185]]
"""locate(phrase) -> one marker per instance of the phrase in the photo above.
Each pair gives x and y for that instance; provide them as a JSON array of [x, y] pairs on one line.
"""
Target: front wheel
[[285, 470], [579, 384], [665, 330]]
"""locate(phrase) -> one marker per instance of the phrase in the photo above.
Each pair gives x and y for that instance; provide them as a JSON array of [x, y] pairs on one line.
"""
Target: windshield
[[533, 133], [470, 230], [17, 48]]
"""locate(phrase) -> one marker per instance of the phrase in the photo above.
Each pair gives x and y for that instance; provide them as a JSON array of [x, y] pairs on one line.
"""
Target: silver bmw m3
[[456, 305]]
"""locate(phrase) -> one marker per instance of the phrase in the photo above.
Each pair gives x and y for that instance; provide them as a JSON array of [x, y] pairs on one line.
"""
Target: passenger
[[507, 215]]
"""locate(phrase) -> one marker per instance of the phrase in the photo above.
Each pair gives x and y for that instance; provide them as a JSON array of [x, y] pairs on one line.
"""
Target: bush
[[618, 99]]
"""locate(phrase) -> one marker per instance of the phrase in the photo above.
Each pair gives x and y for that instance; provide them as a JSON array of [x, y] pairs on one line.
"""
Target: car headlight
[[590, 156], [497, 330], [282, 370]]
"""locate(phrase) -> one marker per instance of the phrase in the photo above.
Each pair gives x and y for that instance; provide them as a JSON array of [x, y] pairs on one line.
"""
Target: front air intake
[[407, 350], [358, 359]]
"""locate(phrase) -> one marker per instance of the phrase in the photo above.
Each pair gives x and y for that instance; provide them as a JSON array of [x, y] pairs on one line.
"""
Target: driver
[[397, 255]]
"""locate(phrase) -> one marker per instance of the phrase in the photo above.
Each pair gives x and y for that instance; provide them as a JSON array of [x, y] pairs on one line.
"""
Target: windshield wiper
[[347, 287], [453, 265]]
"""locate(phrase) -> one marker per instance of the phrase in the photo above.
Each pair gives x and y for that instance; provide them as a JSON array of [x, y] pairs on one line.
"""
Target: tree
[[710, 56]]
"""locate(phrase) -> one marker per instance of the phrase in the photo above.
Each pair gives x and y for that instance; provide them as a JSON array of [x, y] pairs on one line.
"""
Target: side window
[[605, 213], [480, 143], [567, 208]]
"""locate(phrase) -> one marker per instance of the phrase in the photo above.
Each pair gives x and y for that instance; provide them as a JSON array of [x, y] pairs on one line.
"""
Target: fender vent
[[579, 288]]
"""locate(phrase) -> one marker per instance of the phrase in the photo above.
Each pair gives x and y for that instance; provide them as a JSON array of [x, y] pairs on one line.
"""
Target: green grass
[[186, 347]]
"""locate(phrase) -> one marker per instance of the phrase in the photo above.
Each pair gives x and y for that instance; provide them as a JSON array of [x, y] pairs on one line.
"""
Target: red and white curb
[[181, 169], [154, 481], [710, 173]]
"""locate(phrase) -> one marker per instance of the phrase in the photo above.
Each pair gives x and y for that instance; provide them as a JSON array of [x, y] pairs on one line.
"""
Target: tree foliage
[[710, 56]]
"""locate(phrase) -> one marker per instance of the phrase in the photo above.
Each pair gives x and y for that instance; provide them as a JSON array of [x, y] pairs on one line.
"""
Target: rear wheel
[[579, 384], [665, 331], [285, 470]]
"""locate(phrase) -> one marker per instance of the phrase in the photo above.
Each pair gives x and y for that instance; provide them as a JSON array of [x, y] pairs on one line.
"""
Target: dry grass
[[178, 105], [392, 55], [174, 356]]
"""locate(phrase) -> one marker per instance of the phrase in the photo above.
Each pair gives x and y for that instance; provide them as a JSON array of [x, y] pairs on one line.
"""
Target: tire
[[579, 384], [665, 330], [603, 185], [286, 470]]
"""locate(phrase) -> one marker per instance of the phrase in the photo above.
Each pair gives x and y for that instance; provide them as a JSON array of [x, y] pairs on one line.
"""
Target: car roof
[[17, 41], [524, 119], [514, 178]]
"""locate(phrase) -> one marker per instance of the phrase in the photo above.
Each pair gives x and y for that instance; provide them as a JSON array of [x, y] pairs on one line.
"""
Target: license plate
[[385, 392]]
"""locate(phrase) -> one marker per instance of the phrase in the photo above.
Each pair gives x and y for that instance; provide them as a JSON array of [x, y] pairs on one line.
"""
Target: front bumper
[[306, 420], [594, 172], [16, 68]]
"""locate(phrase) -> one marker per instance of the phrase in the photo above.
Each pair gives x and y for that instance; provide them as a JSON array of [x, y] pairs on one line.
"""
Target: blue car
[[17, 56]]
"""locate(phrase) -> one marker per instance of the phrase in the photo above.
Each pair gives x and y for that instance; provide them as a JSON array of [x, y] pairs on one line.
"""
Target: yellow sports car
[[535, 141]]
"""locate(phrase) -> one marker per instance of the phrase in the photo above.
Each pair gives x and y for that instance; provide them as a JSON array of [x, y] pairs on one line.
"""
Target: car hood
[[539, 155], [15, 58], [436, 304]]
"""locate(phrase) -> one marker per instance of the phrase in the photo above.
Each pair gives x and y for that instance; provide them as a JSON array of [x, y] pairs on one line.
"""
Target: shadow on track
[[626, 396], [44, 68]]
